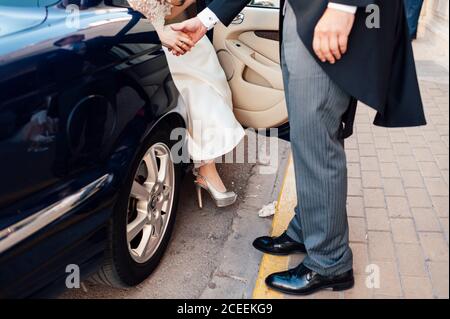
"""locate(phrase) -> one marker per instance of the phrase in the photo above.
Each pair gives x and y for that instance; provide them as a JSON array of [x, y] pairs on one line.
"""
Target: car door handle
[[239, 19], [271, 72]]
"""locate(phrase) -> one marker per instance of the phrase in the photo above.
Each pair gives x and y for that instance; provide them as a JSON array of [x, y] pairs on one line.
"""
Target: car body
[[75, 107], [84, 96]]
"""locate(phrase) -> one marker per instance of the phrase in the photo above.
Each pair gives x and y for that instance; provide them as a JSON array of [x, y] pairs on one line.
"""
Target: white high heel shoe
[[221, 199]]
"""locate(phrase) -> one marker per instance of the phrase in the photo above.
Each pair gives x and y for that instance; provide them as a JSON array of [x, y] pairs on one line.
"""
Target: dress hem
[[219, 154]]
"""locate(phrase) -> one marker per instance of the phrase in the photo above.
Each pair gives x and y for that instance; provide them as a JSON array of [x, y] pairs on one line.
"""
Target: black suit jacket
[[379, 67], [201, 4]]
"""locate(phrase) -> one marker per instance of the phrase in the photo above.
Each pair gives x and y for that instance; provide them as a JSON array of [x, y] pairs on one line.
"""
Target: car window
[[265, 3]]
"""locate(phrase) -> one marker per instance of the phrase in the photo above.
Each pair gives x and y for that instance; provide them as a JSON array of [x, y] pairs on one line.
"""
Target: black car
[[89, 121]]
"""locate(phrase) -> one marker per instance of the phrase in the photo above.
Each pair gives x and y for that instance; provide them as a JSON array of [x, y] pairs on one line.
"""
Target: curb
[[284, 212]]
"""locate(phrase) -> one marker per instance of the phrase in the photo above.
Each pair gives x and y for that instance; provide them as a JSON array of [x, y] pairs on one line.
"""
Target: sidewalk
[[398, 203]]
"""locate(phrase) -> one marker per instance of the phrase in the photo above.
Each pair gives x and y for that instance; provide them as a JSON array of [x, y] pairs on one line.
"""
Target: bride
[[213, 130]]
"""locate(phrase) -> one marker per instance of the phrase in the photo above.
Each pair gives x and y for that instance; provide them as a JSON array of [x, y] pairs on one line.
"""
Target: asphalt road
[[210, 255]]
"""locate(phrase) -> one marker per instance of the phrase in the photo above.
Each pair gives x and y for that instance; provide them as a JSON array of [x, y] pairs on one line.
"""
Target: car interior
[[249, 53]]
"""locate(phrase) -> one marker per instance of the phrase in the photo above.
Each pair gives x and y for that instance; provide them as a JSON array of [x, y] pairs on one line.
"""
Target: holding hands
[[192, 27], [178, 42], [180, 38]]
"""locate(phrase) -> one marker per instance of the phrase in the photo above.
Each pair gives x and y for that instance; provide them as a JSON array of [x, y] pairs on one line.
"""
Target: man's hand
[[177, 42], [192, 27], [331, 35]]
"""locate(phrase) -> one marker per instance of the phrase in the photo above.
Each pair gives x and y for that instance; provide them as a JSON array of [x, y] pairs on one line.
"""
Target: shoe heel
[[344, 286], [221, 199], [199, 196]]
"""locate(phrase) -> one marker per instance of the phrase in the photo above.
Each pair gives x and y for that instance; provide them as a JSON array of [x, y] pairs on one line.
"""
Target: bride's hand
[[178, 42]]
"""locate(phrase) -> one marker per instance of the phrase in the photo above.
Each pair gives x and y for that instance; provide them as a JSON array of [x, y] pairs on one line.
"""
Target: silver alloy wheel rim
[[153, 200]]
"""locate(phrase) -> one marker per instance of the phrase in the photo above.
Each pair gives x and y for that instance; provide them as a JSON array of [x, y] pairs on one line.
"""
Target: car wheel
[[144, 216]]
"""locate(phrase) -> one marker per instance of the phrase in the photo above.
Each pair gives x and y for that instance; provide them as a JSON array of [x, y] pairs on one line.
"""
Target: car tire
[[123, 267]]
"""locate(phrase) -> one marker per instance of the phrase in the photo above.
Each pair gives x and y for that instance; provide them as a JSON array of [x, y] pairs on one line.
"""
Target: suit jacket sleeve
[[227, 10]]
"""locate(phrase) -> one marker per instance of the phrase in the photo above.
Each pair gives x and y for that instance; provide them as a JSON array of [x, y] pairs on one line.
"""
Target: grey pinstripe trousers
[[316, 106]]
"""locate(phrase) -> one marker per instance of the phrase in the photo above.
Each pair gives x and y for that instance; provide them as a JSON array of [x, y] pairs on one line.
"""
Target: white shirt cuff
[[342, 7], [208, 18]]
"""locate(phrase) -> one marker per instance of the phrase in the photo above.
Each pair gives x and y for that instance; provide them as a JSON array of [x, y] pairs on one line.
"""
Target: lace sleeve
[[154, 10]]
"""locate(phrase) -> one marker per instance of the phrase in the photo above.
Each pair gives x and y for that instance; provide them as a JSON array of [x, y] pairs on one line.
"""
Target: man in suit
[[333, 53]]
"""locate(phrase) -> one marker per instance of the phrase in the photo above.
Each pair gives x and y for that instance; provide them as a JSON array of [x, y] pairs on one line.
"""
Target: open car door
[[249, 53]]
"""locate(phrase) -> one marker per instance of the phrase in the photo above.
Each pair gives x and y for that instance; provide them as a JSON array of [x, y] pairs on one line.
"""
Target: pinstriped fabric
[[316, 106]]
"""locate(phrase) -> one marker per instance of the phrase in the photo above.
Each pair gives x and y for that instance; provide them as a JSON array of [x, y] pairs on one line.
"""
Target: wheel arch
[[121, 161], [173, 119]]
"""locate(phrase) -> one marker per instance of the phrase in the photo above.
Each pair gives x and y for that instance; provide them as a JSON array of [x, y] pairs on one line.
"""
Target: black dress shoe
[[303, 281], [279, 246]]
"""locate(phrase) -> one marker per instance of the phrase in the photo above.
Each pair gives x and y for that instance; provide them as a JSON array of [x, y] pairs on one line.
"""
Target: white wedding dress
[[213, 130]]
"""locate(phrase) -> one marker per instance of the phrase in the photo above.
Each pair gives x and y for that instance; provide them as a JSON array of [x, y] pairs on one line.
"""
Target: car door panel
[[248, 50], [262, 41]]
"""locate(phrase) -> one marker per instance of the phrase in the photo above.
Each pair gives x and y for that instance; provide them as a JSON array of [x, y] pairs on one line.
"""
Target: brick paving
[[398, 202]]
